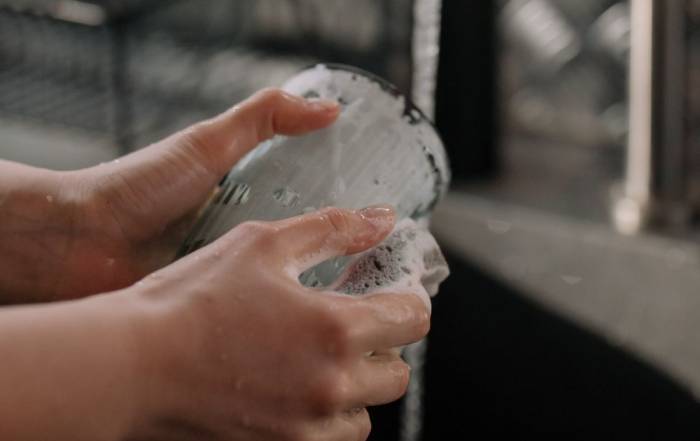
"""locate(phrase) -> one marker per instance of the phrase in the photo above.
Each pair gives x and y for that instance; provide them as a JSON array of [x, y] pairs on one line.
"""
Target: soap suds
[[409, 259]]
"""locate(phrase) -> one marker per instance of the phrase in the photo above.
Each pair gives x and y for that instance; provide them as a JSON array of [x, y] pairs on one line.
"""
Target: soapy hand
[[71, 234], [237, 348]]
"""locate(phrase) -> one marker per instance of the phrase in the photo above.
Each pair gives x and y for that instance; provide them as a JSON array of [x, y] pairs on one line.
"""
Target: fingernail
[[378, 215], [323, 105]]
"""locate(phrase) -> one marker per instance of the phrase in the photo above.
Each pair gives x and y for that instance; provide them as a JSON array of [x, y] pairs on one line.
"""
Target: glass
[[382, 149]]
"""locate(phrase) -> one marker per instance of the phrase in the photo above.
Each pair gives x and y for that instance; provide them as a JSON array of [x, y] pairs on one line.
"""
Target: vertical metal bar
[[426, 49], [412, 410], [425, 54], [631, 210], [640, 143]]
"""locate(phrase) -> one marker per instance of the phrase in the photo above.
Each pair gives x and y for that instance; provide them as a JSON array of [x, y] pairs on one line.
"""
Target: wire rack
[[137, 70]]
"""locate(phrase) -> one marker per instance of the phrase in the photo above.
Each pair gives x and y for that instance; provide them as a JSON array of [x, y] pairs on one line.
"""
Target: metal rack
[[137, 70]]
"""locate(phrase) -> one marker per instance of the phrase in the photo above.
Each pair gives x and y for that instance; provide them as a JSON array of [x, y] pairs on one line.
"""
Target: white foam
[[408, 260]]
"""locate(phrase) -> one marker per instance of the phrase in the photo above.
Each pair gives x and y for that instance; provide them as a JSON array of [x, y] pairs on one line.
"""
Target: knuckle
[[331, 392], [196, 136], [254, 229], [336, 218], [260, 235], [337, 335], [417, 315], [196, 143], [269, 96]]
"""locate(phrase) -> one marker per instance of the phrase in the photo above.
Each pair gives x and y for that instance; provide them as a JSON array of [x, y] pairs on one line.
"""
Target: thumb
[[175, 176], [220, 142]]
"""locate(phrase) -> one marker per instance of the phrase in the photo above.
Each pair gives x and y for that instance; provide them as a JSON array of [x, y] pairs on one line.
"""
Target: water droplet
[[307, 210], [498, 226], [49, 198], [116, 161], [571, 280], [110, 261], [286, 196]]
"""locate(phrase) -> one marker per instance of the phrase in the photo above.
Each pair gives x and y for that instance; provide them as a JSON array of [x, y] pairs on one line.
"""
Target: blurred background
[[573, 129]]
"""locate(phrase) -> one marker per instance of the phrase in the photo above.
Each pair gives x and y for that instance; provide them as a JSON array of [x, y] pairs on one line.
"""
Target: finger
[[376, 322], [218, 143], [178, 173], [379, 380], [310, 239], [223, 140]]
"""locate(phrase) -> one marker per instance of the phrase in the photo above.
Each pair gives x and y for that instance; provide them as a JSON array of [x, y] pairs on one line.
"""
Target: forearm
[[69, 370]]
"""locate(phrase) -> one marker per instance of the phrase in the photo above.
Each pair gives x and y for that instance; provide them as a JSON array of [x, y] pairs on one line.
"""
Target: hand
[[71, 234], [237, 348]]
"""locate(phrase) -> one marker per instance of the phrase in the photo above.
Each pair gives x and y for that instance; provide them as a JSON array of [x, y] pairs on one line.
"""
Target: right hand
[[236, 348]]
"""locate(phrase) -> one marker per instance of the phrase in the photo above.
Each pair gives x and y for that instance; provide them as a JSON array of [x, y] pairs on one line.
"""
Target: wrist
[[138, 329], [157, 326], [37, 218], [121, 349]]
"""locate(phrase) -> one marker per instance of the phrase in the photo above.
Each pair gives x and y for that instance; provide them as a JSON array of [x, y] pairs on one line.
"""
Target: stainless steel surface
[[632, 210], [640, 292]]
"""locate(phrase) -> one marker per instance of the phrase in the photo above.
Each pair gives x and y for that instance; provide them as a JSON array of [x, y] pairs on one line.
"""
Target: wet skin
[[70, 234], [222, 344]]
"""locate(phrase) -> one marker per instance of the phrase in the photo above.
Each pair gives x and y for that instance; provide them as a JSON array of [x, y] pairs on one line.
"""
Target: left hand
[[71, 234]]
